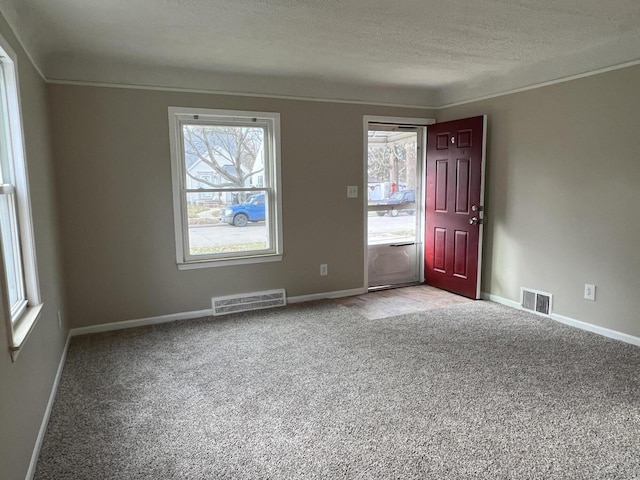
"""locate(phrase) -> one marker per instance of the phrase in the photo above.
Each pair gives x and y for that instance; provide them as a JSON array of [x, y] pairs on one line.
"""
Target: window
[[19, 280], [206, 179], [226, 175]]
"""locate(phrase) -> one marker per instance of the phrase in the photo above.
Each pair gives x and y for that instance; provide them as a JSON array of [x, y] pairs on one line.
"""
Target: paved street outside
[[391, 229], [380, 229]]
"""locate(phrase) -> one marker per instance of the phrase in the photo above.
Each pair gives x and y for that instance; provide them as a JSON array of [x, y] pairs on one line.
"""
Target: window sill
[[22, 328], [229, 262]]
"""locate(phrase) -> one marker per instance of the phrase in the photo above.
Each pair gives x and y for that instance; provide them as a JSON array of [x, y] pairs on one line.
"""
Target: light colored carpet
[[313, 391]]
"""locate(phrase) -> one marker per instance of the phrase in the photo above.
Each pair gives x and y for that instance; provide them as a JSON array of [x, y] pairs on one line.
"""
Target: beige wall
[[561, 185], [114, 170], [563, 189], [26, 384]]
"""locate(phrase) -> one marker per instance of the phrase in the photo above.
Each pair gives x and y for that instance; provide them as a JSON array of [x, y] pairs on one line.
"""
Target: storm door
[[394, 208]]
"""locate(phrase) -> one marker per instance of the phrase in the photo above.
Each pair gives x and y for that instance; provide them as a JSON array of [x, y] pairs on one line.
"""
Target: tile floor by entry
[[398, 301]]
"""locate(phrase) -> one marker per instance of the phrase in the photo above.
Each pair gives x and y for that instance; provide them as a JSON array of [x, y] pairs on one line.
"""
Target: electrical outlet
[[352, 191], [323, 270], [589, 291]]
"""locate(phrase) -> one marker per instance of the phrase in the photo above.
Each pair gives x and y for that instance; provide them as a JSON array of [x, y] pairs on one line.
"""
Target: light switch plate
[[352, 191]]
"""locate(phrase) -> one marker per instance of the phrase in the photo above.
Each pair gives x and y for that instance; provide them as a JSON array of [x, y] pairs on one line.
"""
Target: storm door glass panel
[[392, 186]]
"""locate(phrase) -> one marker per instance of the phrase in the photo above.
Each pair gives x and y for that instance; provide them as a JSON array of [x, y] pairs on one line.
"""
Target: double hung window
[[225, 167], [19, 275]]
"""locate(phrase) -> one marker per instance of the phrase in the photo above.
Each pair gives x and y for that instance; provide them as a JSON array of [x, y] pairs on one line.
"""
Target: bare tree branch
[[222, 147]]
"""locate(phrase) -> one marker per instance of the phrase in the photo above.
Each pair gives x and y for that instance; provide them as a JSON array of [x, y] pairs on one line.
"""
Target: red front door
[[454, 205]]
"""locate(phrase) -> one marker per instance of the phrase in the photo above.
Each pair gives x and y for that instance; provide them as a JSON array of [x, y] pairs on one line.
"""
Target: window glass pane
[[11, 251], [226, 156], [6, 169], [228, 222]]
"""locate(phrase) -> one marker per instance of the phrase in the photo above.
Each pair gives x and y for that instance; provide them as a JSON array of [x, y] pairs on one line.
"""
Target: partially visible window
[[207, 179], [225, 167], [19, 279]]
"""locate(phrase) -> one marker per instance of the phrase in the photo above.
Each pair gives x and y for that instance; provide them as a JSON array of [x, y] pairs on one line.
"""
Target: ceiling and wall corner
[[413, 53]]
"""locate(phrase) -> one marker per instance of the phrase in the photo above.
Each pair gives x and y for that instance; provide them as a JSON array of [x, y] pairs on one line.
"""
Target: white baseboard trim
[[500, 300], [140, 322], [47, 412], [605, 332], [325, 295]]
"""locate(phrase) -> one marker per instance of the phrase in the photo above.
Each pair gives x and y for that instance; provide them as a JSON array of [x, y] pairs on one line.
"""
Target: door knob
[[475, 221]]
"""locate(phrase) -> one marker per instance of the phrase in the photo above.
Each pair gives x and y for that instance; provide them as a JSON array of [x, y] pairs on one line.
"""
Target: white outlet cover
[[589, 291], [352, 191]]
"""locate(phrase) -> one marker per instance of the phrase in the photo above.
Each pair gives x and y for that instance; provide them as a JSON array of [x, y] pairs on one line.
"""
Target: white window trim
[[178, 185], [19, 330]]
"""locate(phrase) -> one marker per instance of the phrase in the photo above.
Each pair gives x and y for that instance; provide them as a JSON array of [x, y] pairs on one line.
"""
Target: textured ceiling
[[424, 52]]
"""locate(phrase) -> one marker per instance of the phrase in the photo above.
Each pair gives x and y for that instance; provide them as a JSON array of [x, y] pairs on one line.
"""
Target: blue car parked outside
[[250, 211]]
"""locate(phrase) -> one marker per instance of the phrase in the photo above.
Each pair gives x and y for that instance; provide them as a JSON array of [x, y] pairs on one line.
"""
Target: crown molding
[[535, 86], [233, 93]]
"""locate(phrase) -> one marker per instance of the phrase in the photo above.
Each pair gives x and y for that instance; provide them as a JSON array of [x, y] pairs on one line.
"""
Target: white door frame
[[406, 121]]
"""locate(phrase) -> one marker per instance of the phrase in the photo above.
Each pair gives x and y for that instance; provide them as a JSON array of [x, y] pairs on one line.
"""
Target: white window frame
[[271, 121], [20, 322]]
